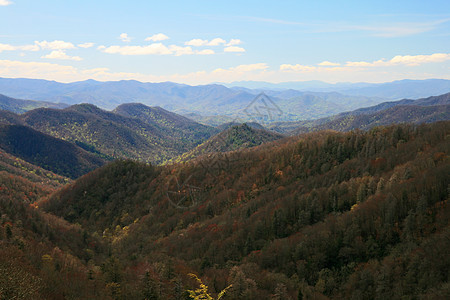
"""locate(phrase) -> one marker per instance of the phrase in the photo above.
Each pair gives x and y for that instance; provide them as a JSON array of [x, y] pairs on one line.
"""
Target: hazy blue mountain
[[412, 89], [394, 115], [108, 95], [433, 100], [378, 111], [311, 85], [390, 90], [218, 100]]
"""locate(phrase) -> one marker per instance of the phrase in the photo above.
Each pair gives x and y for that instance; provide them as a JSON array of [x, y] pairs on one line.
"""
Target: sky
[[206, 41]]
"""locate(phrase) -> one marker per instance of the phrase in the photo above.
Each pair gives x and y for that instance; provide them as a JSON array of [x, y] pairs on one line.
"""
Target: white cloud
[[415, 60], [29, 48], [124, 37], [244, 68], [157, 37], [86, 45], [297, 68], [234, 42], [234, 49], [205, 52], [399, 60], [55, 45], [60, 54], [329, 64], [200, 42], [7, 47], [196, 42], [153, 49], [365, 63], [408, 60], [49, 71], [178, 50], [5, 2], [216, 42]]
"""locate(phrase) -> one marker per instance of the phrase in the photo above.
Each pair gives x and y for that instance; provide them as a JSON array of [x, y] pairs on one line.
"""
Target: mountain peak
[[85, 108]]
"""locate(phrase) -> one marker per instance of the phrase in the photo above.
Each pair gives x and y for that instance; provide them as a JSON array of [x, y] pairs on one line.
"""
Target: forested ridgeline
[[360, 215]]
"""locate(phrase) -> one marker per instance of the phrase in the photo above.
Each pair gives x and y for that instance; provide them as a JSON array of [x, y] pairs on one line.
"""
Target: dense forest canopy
[[360, 215]]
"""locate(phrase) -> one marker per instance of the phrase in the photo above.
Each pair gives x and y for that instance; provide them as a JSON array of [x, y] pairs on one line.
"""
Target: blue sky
[[199, 42]]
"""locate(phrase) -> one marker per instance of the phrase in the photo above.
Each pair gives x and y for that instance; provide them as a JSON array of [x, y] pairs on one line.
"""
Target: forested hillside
[[234, 138], [20, 106], [15, 166], [50, 153], [357, 215], [135, 131], [186, 133], [42, 256]]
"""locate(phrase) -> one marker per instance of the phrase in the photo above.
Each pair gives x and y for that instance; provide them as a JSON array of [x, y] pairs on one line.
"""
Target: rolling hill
[[187, 133], [14, 166], [50, 153], [236, 137], [20, 106], [8, 117], [132, 131]]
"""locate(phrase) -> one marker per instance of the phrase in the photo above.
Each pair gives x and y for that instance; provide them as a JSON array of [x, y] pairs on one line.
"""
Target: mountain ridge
[[50, 153], [215, 99]]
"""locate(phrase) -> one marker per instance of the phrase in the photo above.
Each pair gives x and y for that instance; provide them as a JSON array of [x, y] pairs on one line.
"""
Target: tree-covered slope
[[111, 135], [20, 106], [9, 118], [187, 133], [360, 215], [42, 256], [16, 166], [50, 153], [234, 138]]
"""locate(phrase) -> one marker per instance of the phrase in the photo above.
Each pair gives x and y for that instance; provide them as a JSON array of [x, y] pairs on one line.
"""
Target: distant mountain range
[[390, 90], [89, 136], [426, 110], [297, 103]]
